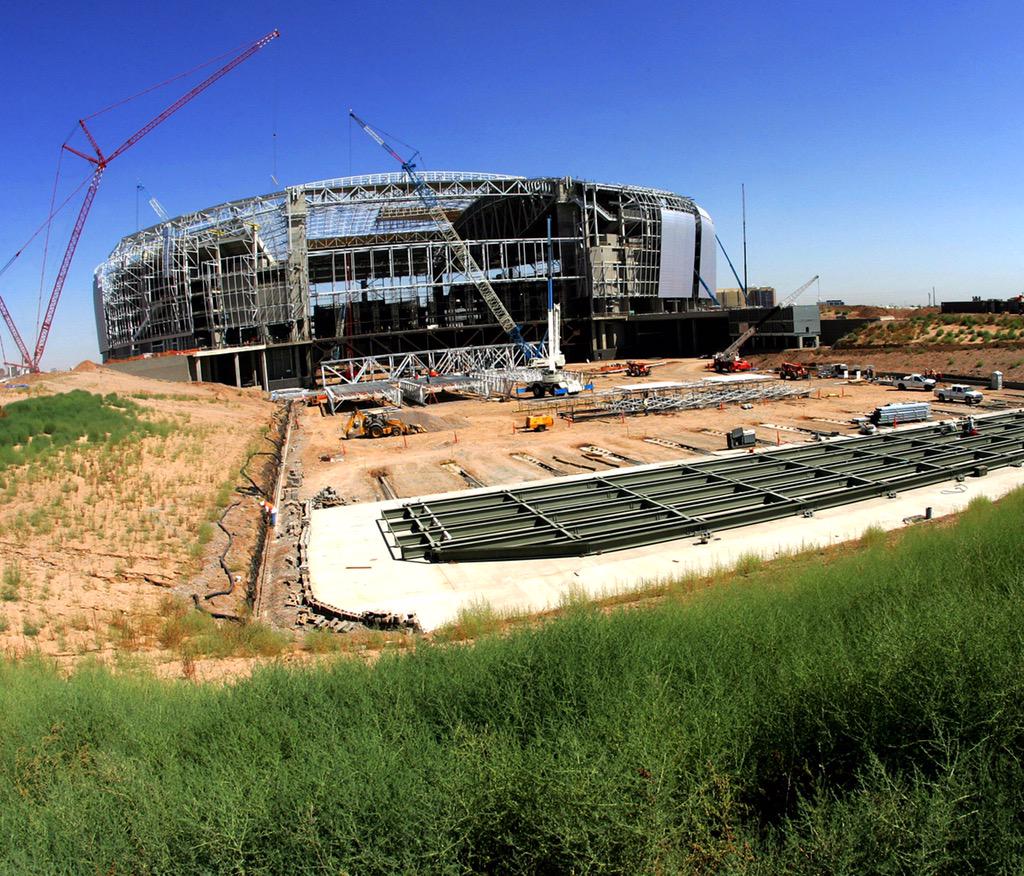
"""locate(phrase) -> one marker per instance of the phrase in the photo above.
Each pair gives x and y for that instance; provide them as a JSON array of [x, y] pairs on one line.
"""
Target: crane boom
[[458, 245], [101, 161], [733, 348], [13, 329]]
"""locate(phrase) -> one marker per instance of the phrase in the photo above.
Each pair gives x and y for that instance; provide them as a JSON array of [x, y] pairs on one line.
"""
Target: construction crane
[[458, 245], [729, 360], [100, 163]]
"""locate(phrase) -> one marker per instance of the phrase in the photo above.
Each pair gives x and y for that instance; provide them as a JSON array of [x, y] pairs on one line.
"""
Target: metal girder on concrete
[[611, 511]]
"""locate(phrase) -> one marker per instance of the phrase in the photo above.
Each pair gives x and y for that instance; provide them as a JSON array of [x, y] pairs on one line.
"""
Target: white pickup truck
[[915, 381], [959, 392]]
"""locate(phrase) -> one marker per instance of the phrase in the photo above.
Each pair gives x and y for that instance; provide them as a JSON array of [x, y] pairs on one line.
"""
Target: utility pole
[[743, 195]]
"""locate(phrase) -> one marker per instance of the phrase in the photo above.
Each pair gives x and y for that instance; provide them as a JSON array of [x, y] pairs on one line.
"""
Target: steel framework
[[358, 262], [606, 512], [416, 377]]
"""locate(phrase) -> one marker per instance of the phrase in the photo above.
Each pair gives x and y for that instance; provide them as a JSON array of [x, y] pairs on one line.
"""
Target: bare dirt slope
[[971, 361], [91, 546]]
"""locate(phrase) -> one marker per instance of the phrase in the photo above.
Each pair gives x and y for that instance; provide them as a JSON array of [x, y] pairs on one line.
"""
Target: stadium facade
[[259, 290]]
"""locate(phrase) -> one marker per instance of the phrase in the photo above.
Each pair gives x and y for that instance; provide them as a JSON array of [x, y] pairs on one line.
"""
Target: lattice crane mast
[[729, 357], [100, 163], [458, 245]]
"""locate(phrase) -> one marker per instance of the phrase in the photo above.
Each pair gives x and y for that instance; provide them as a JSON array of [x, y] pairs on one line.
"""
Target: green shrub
[[36, 428], [13, 580], [853, 715]]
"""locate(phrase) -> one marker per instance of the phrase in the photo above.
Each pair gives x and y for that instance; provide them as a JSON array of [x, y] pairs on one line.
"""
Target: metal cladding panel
[[678, 245], [708, 256], [101, 319]]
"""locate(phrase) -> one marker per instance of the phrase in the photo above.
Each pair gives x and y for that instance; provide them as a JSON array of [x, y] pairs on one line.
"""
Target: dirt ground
[[971, 361], [481, 437], [98, 546]]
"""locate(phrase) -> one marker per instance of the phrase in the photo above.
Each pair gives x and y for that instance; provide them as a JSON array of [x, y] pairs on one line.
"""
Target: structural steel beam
[[612, 511]]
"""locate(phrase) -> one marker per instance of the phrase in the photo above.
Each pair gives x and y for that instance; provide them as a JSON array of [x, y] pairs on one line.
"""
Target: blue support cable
[[739, 282], [706, 289]]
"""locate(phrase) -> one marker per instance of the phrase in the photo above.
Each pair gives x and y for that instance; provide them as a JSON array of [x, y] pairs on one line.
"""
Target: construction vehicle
[[729, 359], [538, 422], [794, 371], [377, 424], [638, 369], [959, 392], [915, 381], [553, 380]]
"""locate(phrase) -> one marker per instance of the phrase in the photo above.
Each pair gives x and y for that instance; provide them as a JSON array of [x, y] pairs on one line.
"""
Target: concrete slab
[[352, 567]]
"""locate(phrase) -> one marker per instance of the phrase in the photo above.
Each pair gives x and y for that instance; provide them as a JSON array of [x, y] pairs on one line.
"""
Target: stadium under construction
[[260, 291]]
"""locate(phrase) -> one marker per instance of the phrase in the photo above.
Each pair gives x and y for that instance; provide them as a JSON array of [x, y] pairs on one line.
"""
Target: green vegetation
[[36, 428], [11, 584], [861, 715], [198, 635], [930, 329]]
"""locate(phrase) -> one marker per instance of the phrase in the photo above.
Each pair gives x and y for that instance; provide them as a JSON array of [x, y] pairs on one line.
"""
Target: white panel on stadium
[[678, 242]]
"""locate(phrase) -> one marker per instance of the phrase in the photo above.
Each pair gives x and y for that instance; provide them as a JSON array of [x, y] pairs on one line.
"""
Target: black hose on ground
[[223, 556]]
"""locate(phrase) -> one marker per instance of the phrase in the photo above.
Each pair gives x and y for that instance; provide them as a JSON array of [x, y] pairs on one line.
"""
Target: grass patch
[[35, 429], [11, 584], [858, 716], [474, 620], [197, 634]]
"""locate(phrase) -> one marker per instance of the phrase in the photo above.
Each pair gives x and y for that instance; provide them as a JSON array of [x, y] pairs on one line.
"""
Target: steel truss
[[453, 360], [607, 512], [414, 377]]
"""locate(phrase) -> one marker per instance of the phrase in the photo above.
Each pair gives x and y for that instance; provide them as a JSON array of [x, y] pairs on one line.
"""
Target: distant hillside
[[939, 329]]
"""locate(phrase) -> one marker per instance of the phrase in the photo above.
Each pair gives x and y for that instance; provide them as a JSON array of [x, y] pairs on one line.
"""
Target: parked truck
[[915, 381], [959, 392]]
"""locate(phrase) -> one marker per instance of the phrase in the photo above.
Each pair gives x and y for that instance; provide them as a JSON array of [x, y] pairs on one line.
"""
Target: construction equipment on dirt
[[729, 360], [740, 437], [553, 379], [638, 369], [693, 396], [538, 423], [377, 424], [794, 371]]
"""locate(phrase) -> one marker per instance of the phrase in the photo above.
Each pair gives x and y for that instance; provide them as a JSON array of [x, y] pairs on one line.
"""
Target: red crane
[[100, 162]]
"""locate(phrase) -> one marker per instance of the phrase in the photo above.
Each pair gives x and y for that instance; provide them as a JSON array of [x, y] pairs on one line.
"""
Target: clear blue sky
[[880, 143]]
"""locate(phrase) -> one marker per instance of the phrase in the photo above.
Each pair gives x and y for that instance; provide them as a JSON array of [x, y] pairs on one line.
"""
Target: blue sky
[[880, 143]]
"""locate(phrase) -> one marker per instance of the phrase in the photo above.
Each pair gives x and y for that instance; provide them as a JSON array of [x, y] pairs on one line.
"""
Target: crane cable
[[195, 69], [35, 233]]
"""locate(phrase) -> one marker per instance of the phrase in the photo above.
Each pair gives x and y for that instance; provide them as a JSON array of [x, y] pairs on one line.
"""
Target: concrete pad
[[351, 565]]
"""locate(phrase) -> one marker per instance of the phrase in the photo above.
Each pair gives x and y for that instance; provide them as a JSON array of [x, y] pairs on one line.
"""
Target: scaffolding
[[636, 401], [418, 378], [355, 264]]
